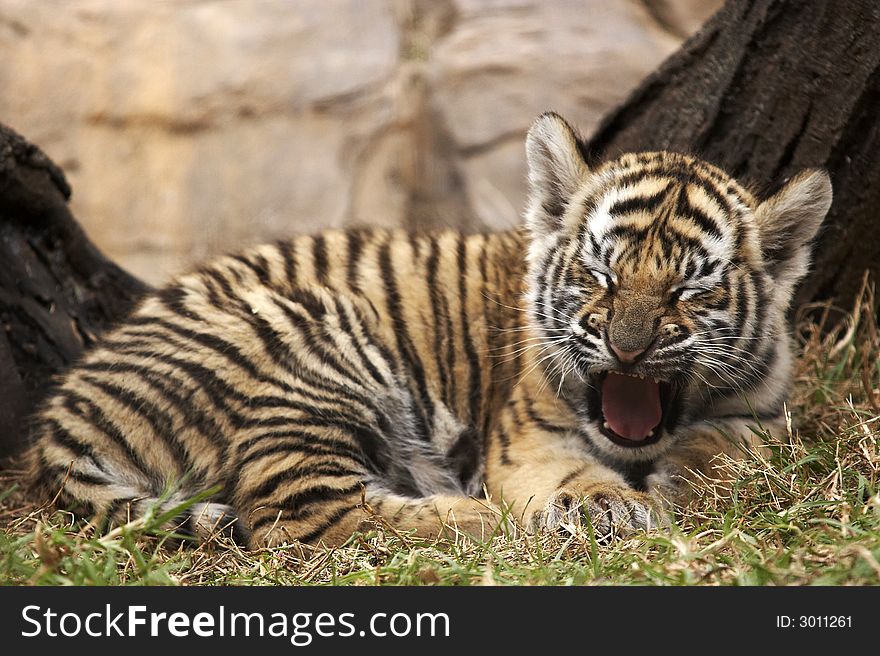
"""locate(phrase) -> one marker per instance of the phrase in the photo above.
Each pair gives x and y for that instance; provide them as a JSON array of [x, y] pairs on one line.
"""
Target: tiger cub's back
[[292, 375]]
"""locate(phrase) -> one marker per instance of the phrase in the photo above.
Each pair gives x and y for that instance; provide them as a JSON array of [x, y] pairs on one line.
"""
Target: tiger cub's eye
[[601, 277], [684, 292]]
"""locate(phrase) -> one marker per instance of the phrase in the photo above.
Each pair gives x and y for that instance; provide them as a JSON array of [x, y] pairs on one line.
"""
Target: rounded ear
[[556, 170], [789, 220]]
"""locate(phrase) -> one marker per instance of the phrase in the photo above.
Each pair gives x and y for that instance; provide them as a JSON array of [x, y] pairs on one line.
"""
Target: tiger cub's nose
[[627, 357]]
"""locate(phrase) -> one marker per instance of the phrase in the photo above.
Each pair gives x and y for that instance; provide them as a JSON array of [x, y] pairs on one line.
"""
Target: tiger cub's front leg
[[702, 460], [549, 480]]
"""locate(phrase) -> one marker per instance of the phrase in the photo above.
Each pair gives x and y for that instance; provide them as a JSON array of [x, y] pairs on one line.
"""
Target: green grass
[[807, 513]]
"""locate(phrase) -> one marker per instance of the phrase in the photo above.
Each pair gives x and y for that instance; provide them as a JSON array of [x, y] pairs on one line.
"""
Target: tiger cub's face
[[662, 286]]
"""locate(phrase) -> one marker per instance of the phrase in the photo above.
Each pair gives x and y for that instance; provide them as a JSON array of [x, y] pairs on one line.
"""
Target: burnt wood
[[57, 291]]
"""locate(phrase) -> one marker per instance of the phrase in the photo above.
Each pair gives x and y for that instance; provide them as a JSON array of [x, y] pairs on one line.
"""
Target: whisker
[[520, 342], [523, 349]]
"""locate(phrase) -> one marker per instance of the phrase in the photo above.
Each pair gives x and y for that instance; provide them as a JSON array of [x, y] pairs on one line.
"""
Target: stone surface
[[192, 127]]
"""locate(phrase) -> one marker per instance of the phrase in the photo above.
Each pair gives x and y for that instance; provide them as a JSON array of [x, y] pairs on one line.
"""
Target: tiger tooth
[[651, 433], [606, 426]]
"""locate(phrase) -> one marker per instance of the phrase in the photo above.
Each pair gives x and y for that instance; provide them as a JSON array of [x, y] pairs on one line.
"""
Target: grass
[[807, 513]]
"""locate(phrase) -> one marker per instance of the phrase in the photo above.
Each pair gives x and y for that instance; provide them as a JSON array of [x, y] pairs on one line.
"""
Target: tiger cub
[[578, 369]]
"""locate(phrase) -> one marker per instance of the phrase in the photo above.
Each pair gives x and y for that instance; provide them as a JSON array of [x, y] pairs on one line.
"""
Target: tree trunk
[[764, 89], [57, 291]]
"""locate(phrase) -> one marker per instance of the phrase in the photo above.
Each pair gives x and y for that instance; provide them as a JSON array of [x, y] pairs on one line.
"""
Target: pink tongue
[[631, 405]]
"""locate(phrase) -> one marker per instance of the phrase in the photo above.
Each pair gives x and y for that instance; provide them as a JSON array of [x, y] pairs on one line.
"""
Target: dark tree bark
[[57, 291], [769, 87]]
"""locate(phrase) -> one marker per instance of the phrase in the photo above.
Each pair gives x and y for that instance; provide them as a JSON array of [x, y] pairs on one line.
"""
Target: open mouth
[[634, 409]]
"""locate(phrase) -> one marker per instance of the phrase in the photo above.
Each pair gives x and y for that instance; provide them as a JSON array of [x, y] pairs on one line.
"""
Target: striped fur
[[332, 380]]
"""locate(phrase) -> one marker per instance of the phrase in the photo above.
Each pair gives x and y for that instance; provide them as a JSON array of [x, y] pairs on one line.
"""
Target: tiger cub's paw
[[612, 510]]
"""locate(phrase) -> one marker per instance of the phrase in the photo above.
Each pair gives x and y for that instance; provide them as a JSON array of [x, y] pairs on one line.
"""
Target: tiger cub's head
[[662, 285]]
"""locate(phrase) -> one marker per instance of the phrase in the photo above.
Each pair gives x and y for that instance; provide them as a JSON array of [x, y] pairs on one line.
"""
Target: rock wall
[[191, 127]]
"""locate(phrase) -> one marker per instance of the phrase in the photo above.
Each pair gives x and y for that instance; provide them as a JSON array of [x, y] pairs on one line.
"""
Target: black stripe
[[346, 324], [305, 441], [286, 250], [95, 415], [628, 231], [299, 472], [333, 519], [760, 301], [474, 369], [217, 390], [311, 304], [696, 215], [568, 478], [296, 506], [638, 204], [203, 422], [174, 299], [290, 448], [440, 315], [504, 443], [60, 435], [540, 421], [218, 345], [326, 355], [415, 243], [720, 199], [355, 248], [220, 279], [300, 505], [370, 441], [259, 268], [231, 353], [66, 472], [319, 257], [595, 249], [404, 342], [273, 344], [672, 236], [451, 350], [632, 177], [161, 423], [214, 294], [283, 356]]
